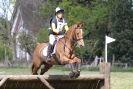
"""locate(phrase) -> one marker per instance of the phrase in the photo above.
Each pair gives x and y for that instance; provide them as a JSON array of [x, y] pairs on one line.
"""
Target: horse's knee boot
[[73, 67], [78, 66]]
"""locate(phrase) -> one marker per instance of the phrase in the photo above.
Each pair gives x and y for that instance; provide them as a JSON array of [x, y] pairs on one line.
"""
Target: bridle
[[74, 40], [79, 39]]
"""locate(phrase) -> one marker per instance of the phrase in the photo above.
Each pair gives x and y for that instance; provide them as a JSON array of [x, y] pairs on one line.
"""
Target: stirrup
[[48, 58]]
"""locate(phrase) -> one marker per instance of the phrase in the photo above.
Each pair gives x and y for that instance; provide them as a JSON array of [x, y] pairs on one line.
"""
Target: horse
[[64, 52]]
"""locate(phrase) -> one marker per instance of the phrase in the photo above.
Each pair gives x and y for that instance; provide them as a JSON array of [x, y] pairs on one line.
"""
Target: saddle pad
[[44, 52]]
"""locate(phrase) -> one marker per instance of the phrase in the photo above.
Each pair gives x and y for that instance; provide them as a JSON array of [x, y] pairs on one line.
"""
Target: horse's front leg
[[78, 66], [77, 62], [75, 65], [68, 60]]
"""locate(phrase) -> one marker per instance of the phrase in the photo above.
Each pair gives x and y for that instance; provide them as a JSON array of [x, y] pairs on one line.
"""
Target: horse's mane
[[70, 33]]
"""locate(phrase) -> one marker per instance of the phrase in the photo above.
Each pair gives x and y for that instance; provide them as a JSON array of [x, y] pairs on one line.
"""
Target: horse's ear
[[75, 26], [80, 25]]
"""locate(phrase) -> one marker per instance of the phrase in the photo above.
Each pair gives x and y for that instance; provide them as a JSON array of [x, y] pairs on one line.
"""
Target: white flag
[[109, 39]]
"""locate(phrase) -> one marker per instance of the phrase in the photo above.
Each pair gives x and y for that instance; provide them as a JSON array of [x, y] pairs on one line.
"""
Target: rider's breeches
[[53, 38]]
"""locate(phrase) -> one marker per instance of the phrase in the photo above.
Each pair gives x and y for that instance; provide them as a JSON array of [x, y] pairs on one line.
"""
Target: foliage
[[46, 10], [4, 34], [4, 40], [42, 36], [27, 42], [4, 49], [121, 16]]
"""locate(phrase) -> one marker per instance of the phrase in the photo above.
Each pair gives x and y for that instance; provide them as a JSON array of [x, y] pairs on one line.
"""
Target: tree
[[5, 50], [27, 42], [42, 35], [122, 29], [5, 28]]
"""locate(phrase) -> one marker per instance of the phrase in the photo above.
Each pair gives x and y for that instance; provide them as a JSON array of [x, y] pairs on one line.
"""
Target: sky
[[4, 4]]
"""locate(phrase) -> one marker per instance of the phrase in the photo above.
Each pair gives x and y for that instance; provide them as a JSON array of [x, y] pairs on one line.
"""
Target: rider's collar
[[60, 20]]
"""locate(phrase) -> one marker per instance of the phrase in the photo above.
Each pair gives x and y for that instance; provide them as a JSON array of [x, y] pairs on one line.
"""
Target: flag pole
[[107, 41], [106, 50]]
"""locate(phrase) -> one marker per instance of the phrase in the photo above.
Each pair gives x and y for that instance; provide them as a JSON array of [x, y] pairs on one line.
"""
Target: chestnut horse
[[64, 52]]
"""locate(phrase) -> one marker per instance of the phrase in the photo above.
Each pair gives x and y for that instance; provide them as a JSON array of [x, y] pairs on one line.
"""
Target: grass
[[119, 80]]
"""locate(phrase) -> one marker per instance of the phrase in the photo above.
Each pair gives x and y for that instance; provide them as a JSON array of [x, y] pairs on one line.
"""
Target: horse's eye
[[77, 34]]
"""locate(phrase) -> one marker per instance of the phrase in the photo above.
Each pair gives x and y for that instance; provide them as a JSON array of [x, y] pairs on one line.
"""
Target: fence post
[[105, 70]]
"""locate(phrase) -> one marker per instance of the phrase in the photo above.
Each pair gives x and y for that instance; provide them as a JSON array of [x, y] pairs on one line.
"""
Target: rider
[[57, 25]]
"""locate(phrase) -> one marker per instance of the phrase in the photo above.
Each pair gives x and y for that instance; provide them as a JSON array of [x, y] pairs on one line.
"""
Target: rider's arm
[[66, 28], [54, 28]]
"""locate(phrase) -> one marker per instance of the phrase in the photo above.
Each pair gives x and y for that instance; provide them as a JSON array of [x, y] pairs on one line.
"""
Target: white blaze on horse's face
[[79, 37]]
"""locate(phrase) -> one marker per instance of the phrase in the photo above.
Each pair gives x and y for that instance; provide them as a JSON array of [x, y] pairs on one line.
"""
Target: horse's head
[[79, 34]]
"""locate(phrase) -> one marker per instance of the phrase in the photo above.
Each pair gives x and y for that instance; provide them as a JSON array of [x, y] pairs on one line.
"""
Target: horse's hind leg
[[45, 68]]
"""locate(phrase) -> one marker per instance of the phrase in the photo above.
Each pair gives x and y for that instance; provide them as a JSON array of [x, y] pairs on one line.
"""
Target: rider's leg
[[49, 50], [50, 46]]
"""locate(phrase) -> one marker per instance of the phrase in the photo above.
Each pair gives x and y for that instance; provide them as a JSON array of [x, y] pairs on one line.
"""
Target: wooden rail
[[95, 81]]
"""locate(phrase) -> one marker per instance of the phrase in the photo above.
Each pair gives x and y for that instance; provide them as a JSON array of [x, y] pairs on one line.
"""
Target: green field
[[119, 80]]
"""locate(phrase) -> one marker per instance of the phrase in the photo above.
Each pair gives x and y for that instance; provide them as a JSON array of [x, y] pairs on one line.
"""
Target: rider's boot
[[50, 50]]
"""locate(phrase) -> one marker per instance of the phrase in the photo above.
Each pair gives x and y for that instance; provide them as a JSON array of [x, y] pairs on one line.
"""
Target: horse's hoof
[[77, 74], [72, 74]]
